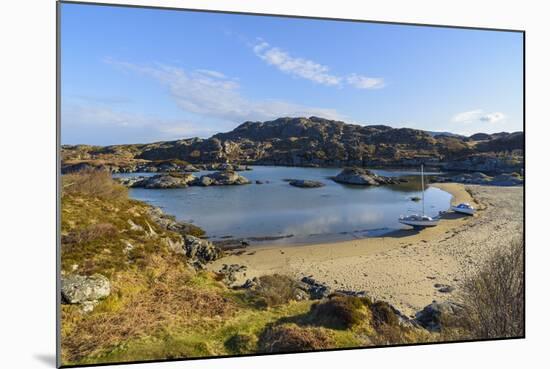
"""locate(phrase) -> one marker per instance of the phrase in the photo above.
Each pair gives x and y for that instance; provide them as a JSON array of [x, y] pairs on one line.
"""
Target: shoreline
[[401, 267]]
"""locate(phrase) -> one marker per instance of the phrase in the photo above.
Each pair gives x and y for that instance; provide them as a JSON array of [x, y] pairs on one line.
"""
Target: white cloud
[[359, 81], [311, 70], [467, 116], [493, 117], [213, 95], [478, 115], [211, 73]]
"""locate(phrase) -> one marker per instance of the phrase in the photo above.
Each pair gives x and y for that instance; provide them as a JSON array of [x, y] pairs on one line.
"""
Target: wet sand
[[402, 267]]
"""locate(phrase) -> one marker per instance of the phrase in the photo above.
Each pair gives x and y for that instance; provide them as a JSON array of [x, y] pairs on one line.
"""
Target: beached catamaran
[[419, 220]]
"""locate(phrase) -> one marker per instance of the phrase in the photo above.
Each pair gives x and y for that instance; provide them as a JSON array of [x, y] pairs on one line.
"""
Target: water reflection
[[332, 212]]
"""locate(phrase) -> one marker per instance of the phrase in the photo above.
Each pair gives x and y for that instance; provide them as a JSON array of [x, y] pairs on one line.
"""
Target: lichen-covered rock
[[231, 274], [80, 289]]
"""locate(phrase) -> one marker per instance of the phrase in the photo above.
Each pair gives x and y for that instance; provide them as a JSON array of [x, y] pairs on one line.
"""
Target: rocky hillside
[[320, 142]]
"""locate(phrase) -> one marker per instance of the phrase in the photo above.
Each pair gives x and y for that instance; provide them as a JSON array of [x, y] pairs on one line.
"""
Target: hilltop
[[321, 142]]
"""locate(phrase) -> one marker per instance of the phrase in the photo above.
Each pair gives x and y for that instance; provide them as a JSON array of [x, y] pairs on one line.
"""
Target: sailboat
[[419, 220]]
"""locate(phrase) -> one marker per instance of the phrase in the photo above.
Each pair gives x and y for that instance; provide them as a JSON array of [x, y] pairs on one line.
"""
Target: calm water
[[329, 213]]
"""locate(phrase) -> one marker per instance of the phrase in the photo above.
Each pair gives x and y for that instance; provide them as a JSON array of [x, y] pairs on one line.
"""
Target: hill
[[321, 142]]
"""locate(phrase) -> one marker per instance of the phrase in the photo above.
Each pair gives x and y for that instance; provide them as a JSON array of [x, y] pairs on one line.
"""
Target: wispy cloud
[[311, 70], [211, 94], [478, 115], [493, 117], [105, 117]]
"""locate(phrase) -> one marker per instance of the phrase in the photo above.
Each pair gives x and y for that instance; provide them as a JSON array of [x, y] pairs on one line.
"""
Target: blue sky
[[133, 75]]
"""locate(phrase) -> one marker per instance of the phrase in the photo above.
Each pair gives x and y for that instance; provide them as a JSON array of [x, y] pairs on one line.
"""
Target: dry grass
[[291, 338], [93, 183], [89, 234], [493, 297], [164, 299]]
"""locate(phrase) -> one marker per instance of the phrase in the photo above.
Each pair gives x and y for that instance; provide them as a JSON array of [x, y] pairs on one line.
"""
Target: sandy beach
[[403, 267]]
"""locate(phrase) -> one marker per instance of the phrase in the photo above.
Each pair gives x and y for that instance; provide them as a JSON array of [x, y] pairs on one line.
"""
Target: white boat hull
[[463, 210], [419, 223]]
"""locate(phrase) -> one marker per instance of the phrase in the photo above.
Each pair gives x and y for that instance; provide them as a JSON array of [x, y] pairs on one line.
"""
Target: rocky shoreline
[[182, 180]]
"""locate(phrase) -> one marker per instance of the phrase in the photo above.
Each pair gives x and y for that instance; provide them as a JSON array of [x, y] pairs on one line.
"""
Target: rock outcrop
[[222, 179], [182, 180], [200, 251], [363, 177]]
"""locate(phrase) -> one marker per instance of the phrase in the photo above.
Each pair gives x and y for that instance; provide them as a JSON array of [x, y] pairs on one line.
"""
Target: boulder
[[304, 183], [231, 274], [431, 316], [201, 251], [80, 289]]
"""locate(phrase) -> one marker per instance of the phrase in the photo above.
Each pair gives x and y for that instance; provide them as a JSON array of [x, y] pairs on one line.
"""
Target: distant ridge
[[317, 141]]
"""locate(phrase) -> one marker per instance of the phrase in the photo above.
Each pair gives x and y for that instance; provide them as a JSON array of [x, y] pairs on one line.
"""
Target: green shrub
[[339, 312], [292, 338], [241, 343]]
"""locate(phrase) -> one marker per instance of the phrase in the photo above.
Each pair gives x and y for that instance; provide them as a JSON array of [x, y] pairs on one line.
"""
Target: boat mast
[[422, 175]]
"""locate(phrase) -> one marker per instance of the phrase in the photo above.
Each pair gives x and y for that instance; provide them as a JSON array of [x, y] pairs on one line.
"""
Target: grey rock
[[431, 316], [231, 274], [200, 250], [78, 289], [224, 178], [303, 183], [315, 289]]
